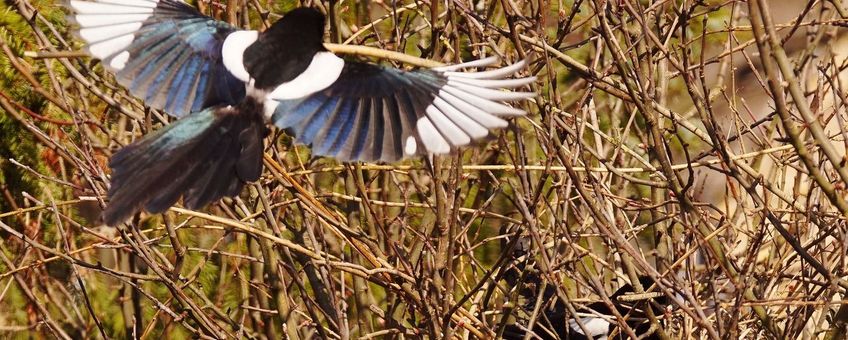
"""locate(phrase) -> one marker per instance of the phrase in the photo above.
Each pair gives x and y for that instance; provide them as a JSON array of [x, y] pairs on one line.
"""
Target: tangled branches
[[686, 158]]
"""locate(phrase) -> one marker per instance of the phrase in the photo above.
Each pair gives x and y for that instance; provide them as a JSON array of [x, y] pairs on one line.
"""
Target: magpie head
[[302, 26]]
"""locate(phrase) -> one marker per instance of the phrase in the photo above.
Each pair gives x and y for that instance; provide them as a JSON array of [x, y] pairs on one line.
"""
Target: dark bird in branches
[[595, 320]]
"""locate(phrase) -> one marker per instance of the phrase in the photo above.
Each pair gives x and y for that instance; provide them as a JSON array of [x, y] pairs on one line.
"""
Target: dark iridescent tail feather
[[202, 157]]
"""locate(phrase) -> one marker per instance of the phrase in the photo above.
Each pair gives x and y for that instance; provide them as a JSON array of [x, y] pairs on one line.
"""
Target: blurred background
[[681, 175]]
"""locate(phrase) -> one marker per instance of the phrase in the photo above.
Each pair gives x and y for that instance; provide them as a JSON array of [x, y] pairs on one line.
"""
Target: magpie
[[597, 319], [225, 84], [594, 321]]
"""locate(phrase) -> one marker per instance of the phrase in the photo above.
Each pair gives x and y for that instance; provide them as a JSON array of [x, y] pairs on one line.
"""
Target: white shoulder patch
[[232, 52], [270, 106], [322, 72]]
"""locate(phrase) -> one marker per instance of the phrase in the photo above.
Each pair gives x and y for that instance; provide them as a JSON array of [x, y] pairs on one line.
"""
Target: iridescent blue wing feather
[[203, 157], [165, 52], [377, 113]]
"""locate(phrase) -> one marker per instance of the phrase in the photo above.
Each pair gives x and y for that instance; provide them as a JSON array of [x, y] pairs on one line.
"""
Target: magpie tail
[[202, 157]]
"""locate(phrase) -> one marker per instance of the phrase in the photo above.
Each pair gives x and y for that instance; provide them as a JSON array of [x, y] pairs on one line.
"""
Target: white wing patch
[[447, 128], [233, 52], [488, 61], [94, 34], [108, 27], [469, 105], [483, 118], [411, 146], [106, 20], [595, 326], [468, 125], [492, 74], [106, 48], [89, 7], [322, 72], [118, 61], [432, 139], [129, 3]]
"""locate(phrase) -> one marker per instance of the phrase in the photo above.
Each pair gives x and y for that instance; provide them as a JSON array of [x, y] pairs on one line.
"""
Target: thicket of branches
[[700, 144]]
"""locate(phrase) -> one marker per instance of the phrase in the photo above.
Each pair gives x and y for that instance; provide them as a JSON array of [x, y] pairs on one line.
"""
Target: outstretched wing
[[377, 113], [164, 51]]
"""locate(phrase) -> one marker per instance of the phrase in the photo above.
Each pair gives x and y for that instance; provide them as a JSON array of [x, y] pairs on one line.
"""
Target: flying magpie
[[225, 84]]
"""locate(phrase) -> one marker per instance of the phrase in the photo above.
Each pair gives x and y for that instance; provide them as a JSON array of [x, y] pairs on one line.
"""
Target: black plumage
[[206, 156]]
